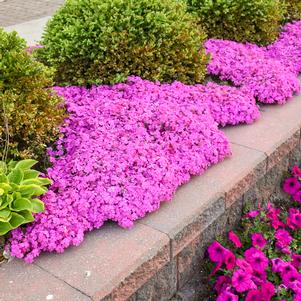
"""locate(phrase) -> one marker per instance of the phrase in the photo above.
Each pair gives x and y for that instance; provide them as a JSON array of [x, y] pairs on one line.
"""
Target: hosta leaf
[[3, 179], [31, 190], [27, 216], [30, 174], [38, 181], [22, 204], [1, 191], [6, 201], [16, 220], [5, 215], [4, 228], [16, 176], [26, 164], [38, 205], [5, 187]]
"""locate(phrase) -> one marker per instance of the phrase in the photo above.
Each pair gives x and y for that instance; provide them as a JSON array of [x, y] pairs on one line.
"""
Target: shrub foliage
[[104, 41], [293, 10], [254, 21], [29, 113]]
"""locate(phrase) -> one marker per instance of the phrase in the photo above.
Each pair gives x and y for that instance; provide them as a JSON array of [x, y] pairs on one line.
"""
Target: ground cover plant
[[29, 113], [293, 10], [119, 158], [255, 21], [261, 260], [93, 42]]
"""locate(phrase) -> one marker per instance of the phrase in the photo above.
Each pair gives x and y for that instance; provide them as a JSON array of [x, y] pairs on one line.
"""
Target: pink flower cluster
[[269, 74], [287, 49], [125, 148], [262, 260]]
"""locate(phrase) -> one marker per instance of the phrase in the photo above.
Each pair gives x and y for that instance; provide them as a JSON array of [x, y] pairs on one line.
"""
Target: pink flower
[[235, 239], [295, 286], [283, 241], [296, 260], [252, 214], [229, 260], [227, 296], [297, 196], [216, 252], [259, 277], [257, 259], [254, 295], [277, 265], [244, 265], [296, 171], [258, 240], [242, 281], [294, 218], [291, 186], [267, 290], [221, 283], [289, 277]]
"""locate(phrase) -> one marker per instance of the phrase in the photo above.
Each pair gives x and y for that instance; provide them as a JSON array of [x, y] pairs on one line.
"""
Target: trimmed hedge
[[29, 113], [293, 10], [255, 21], [104, 41]]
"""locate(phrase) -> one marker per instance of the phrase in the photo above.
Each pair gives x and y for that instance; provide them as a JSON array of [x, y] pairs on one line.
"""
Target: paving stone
[[25, 282], [19, 11], [277, 125], [118, 261]]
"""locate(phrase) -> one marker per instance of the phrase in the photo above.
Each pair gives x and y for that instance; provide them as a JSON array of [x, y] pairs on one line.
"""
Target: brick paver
[[18, 11]]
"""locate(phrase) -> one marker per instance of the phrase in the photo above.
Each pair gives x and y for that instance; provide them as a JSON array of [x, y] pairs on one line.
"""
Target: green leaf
[[28, 217], [16, 220], [16, 176], [21, 204], [38, 205], [30, 174], [4, 228], [6, 201], [26, 164], [31, 190], [38, 181], [5, 215], [3, 179], [5, 187]]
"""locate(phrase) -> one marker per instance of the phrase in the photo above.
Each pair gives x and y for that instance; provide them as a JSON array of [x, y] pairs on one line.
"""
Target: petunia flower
[[242, 281], [291, 185], [234, 239], [256, 259], [254, 295], [296, 260], [296, 171], [258, 240]]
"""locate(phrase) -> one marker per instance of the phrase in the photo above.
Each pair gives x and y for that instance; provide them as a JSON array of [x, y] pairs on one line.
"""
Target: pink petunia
[[221, 283], [277, 265], [242, 281], [216, 252], [289, 277], [267, 290], [297, 196], [296, 260], [254, 295], [296, 171], [244, 265], [291, 185], [294, 218], [227, 296], [252, 214], [229, 260], [258, 240], [257, 259], [234, 239]]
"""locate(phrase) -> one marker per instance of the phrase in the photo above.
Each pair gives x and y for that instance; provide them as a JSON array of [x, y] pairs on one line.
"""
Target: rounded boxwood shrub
[[105, 41], [255, 21], [29, 112], [293, 10]]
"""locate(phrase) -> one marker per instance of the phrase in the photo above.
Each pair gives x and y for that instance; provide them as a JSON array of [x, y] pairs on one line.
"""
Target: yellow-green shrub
[[29, 112], [254, 21], [293, 10], [104, 41]]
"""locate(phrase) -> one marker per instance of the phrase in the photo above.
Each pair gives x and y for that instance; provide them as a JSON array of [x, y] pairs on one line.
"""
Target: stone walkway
[[18, 11]]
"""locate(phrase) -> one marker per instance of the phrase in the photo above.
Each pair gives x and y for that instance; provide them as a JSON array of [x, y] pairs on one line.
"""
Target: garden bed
[[163, 252]]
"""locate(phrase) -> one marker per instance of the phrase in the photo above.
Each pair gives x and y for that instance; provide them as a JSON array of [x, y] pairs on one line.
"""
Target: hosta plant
[[20, 185]]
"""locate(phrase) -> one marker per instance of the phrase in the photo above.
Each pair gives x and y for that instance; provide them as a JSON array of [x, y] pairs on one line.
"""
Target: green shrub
[[29, 113], [19, 186], [254, 21], [104, 41], [293, 10]]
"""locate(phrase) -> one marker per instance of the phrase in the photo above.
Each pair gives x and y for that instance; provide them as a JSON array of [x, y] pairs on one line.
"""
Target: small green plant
[[30, 112], [105, 41], [19, 187], [255, 21]]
